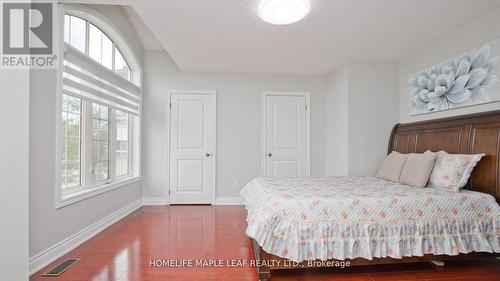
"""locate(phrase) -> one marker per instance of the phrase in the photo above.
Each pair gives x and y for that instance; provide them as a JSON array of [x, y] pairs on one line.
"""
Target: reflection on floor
[[171, 237]]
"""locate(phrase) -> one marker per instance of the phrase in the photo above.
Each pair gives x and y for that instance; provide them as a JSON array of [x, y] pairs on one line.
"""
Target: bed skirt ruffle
[[376, 241]]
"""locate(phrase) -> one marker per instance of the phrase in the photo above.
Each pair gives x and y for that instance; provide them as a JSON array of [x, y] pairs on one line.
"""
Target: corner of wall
[[159, 61], [335, 116], [366, 89]]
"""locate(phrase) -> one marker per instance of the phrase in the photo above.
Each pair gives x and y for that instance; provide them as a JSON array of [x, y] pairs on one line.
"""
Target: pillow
[[418, 168], [392, 166], [452, 171]]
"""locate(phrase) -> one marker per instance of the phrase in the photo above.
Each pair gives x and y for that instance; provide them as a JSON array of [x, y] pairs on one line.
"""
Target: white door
[[286, 131], [192, 148]]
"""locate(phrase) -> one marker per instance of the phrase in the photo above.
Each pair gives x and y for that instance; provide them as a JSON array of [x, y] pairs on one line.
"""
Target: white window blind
[[87, 79]]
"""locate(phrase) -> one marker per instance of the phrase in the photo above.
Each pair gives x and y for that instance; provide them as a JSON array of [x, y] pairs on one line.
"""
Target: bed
[[365, 220]]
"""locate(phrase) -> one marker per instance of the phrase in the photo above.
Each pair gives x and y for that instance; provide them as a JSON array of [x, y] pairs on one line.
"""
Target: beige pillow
[[452, 171], [418, 169], [392, 166]]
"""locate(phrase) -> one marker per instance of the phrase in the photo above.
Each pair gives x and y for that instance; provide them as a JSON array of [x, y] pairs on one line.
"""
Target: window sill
[[82, 195]]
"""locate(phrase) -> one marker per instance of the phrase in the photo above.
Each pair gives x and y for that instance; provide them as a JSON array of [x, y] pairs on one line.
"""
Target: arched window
[[100, 108], [90, 40]]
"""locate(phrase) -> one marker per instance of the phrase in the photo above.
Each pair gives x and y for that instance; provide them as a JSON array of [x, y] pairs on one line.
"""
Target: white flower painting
[[466, 80]]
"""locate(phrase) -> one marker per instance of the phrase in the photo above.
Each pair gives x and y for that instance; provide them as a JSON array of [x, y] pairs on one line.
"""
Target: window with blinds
[[99, 114], [87, 79]]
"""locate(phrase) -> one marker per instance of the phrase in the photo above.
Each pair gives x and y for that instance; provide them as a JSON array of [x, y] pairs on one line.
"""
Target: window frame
[[89, 143], [130, 146], [135, 146], [87, 188], [81, 139], [114, 45]]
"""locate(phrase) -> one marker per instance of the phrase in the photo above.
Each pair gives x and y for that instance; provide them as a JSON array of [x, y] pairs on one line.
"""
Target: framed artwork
[[468, 79]]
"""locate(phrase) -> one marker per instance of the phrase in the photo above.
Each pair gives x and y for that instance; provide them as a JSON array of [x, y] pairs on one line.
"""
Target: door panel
[[286, 116], [285, 135], [287, 168], [192, 146], [190, 124], [190, 175]]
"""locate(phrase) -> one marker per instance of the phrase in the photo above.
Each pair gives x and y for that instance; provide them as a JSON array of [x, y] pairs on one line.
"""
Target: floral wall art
[[468, 79]]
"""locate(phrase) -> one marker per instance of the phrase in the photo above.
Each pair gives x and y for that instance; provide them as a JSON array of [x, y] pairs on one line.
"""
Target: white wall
[[373, 103], [14, 123], [238, 121], [470, 36], [48, 225], [360, 109], [335, 109]]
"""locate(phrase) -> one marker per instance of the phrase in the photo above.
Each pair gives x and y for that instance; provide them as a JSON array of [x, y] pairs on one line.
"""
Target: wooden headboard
[[475, 133]]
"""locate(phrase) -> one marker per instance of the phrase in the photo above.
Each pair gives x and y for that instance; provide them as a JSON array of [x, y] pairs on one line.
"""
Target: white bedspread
[[347, 217]]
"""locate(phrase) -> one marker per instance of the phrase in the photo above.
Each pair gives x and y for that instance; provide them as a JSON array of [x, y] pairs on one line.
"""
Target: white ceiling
[[226, 36], [148, 39]]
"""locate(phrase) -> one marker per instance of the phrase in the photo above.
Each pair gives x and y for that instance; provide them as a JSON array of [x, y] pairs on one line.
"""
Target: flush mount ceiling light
[[283, 11]]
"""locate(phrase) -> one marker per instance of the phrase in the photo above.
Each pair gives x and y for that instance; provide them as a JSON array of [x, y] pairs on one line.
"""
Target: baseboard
[[229, 201], [154, 201], [39, 261]]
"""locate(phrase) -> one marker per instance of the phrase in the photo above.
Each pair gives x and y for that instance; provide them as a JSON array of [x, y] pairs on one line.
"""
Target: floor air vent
[[60, 268]]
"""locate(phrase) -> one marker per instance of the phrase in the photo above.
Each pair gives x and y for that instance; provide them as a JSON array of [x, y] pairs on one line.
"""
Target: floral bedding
[[348, 217]]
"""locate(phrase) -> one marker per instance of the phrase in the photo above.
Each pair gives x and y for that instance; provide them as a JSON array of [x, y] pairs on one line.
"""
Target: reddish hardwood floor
[[124, 250]]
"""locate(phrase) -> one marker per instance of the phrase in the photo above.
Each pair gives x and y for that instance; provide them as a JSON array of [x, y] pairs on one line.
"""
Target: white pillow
[[393, 165], [452, 171], [418, 168]]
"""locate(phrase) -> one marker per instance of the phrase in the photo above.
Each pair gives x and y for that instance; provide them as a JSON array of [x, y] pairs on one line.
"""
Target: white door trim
[[307, 96], [166, 179]]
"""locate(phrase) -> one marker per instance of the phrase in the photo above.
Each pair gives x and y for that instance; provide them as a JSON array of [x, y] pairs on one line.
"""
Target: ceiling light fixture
[[283, 12]]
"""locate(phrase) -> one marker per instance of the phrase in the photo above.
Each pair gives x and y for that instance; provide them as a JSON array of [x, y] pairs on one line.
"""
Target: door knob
[[208, 154], [269, 154]]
